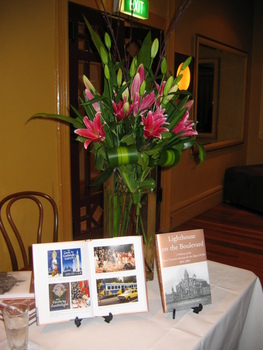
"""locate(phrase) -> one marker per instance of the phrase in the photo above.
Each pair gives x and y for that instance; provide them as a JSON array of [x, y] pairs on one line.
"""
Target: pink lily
[[140, 105], [137, 81], [122, 109], [140, 70], [95, 105], [189, 105], [160, 92], [153, 124], [135, 86], [145, 103], [94, 131], [185, 127]]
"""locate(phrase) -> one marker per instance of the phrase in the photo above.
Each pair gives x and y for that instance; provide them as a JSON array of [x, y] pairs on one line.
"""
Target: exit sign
[[136, 8]]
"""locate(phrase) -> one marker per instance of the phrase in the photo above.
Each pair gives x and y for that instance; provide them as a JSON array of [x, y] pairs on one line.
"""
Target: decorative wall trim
[[260, 133], [62, 107], [194, 206]]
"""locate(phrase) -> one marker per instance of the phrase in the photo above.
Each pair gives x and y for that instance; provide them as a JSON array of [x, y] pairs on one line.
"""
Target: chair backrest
[[37, 198]]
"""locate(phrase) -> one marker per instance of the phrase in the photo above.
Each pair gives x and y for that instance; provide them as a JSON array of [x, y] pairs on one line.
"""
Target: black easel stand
[[174, 311], [196, 310], [108, 318], [77, 321]]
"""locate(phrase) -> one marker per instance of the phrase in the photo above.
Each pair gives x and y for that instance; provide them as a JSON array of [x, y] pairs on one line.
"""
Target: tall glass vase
[[123, 218]]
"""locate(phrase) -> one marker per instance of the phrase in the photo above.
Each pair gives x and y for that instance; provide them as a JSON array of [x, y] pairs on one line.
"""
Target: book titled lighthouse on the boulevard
[[82, 279], [182, 270]]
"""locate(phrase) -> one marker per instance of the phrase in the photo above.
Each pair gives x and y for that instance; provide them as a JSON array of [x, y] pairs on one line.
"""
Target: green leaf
[[186, 63], [104, 176], [201, 152], [170, 157], [174, 118], [75, 122], [147, 184], [144, 56], [128, 175], [95, 38], [81, 139], [79, 115], [100, 156], [143, 160], [128, 139], [188, 143]]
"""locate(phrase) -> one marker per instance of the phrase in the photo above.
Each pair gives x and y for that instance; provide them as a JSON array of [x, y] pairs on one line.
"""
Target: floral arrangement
[[140, 121]]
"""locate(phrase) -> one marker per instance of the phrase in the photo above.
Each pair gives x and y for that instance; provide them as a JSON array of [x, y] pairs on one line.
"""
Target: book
[[29, 301], [89, 278], [16, 284], [182, 270]]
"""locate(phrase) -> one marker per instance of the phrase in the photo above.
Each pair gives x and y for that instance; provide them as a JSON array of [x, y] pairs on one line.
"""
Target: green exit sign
[[136, 8]]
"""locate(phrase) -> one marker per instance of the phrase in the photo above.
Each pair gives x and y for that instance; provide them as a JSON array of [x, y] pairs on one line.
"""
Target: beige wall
[[33, 72], [30, 153]]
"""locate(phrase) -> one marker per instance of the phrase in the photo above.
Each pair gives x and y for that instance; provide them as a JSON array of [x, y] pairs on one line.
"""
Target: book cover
[[89, 278], [182, 270], [16, 284], [29, 301]]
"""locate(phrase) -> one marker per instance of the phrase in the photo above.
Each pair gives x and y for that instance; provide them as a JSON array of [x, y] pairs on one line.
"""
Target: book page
[[118, 273], [62, 281]]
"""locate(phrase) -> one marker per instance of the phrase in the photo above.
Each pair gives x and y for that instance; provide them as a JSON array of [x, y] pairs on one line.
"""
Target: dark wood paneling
[[233, 236]]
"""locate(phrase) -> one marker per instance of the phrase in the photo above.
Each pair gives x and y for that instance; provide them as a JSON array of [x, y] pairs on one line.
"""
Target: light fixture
[[184, 83]]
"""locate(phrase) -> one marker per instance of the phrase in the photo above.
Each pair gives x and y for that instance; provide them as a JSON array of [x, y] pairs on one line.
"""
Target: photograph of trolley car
[[114, 258], [116, 290]]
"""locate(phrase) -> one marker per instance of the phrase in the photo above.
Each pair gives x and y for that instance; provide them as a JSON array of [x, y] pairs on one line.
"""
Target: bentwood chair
[[38, 198]]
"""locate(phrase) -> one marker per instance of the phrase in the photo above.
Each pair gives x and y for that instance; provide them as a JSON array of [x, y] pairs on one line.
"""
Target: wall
[[30, 152], [255, 134], [193, 190]]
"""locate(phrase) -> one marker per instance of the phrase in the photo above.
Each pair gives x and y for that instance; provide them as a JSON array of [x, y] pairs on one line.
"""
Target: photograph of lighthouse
[[71, 262]]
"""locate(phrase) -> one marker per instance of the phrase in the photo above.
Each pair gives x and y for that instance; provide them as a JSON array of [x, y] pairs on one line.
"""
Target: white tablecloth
[[233, 321]]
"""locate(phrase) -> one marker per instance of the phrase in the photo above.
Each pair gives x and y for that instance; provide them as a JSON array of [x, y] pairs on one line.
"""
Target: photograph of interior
[[47, 192]]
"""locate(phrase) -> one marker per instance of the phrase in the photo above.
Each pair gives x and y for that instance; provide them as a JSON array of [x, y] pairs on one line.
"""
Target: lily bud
[[106, 72], [154, 48], [142, 88], [107, 41], [170, 96], [168, 85], [119, 77], [125, 93], [140, 70], [88, 84], [163, 66], [133, 67], [125, 107], [103, 55]]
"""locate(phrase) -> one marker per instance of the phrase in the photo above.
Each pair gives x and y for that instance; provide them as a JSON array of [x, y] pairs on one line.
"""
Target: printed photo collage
[[113, 261], [64, 263], [117, 265]]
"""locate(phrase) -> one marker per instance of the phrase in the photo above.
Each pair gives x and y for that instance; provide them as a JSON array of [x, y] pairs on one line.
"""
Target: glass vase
[[123, 218]]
